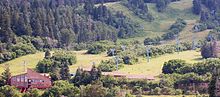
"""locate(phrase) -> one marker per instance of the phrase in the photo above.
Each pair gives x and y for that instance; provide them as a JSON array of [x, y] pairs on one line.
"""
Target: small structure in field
[[31, 79]]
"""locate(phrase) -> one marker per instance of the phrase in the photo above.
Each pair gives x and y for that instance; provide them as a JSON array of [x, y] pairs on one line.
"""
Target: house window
[[22, 78], [25, 79], [18, 79]]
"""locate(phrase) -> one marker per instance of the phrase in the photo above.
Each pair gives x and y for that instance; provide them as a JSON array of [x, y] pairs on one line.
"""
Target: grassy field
[[154, 67], [83, 60], [86, 60], [17, 65]]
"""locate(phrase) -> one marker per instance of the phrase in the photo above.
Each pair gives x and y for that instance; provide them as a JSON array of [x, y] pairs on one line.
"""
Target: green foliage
[[139, 8], [152, 41], [109, 66], [5, 76], [96, 89], [208, 10], [64, 56], [62, 88], [44, 66], [197, 6], [84, 77], [206, 50], [57, 65], [9, 91], [175, 29], [32, 93], [199, 27], [172, 66], [162, 5], [99, 47], [47, 54], [16, 50]]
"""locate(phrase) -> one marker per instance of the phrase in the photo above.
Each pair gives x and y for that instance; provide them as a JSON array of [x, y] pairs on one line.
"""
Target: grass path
[[154, 67]]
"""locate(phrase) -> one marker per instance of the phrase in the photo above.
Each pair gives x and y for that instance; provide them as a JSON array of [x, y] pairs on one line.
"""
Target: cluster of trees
[[12, 51], [201, 72], [86, 77], [139, 8], [209, 12], [175, 29], [181, 67], [57, 64], [109, 66], [63, 21]]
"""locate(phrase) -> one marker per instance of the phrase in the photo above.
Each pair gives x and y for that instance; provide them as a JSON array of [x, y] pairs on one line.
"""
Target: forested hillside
[[63, 21]]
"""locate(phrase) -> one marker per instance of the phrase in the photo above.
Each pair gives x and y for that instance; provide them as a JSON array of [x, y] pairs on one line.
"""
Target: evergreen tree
[[5, 76], [47, 54], [197, 7], [64, 71]]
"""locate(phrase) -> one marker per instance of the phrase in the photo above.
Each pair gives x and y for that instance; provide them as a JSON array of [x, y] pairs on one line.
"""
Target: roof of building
[[33, 74]]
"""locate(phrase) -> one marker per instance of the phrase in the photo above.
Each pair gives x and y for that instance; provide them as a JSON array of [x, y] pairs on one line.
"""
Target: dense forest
[[62, 21]]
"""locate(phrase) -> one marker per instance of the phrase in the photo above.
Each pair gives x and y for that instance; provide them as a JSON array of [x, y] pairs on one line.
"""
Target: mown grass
[[154, 67]]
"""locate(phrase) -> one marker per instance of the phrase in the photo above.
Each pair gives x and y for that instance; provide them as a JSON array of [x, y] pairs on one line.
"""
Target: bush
[[99, 47], [109, 66], [63, 56]]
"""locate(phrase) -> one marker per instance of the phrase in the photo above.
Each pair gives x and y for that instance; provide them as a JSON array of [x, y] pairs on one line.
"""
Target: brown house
[[30, 79]]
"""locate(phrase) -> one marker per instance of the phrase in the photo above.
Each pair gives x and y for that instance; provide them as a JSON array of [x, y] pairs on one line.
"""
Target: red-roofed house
[[31, 79]]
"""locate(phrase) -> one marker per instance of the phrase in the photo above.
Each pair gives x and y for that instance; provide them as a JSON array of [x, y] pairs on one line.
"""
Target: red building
[[31, 79]]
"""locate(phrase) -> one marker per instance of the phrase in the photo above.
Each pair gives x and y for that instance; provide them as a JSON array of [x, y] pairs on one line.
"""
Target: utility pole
[[113, 52], [148, 53], [116, 61], [123, 48], [25, 68], [193, 43], [177, 43], [115, 58]]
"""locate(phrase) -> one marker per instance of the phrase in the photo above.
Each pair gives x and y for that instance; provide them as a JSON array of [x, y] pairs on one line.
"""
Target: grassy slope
[[180, 9], [154, 67], [16, 65]]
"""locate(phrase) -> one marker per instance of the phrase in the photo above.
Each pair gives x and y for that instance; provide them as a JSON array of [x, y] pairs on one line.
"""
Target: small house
[[30, 79]]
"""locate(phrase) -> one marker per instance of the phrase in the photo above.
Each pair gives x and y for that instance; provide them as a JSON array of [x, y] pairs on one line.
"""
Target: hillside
[[162, 22]]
